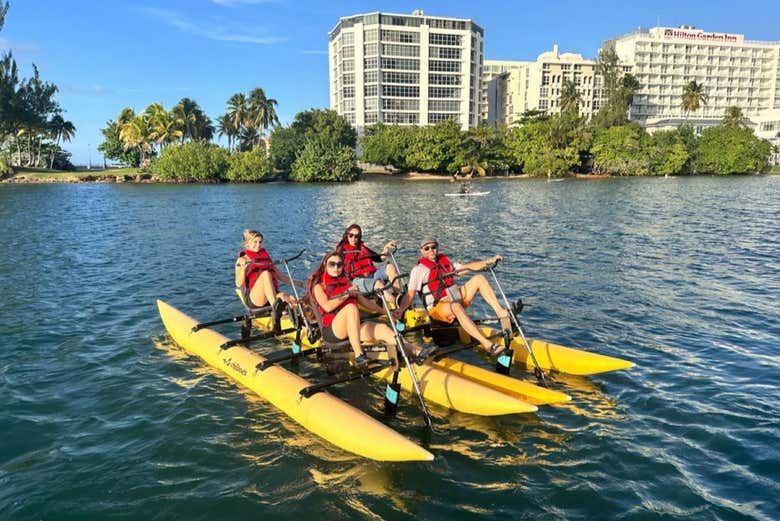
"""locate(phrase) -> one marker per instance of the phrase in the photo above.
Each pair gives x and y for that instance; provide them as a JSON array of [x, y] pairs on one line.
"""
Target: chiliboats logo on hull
[[700, 35]]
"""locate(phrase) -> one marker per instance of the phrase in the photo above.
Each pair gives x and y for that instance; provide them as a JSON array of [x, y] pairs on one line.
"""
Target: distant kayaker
[[257, 276], [359, 262], [446, 301], [337, 299]]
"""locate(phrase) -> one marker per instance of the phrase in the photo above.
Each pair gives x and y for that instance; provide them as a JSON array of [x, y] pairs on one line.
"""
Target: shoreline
[[105, 177]]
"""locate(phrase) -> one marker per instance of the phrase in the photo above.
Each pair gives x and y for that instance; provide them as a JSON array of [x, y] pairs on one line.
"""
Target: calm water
[[101, 416]]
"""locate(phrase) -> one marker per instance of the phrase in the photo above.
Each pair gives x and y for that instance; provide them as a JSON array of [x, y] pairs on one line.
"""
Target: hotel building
[[405, 69], [491, 70], [537, 86], [733, 71]]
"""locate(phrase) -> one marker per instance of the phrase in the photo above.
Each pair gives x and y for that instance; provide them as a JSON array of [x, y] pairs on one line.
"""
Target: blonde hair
[[251, 234]]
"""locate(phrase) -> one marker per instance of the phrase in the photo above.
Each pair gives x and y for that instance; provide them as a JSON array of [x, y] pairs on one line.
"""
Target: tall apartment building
[[490, 71], [733, 71], [537, 86], [405, 69]]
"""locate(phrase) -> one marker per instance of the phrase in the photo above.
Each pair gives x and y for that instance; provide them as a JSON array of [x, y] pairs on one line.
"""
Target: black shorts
[[329, 337]]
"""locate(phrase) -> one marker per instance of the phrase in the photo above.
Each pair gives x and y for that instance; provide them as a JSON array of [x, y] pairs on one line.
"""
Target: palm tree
[[247, 138], [225, 128], [238, 110], [570, 98], [693, 97], [165, 126], [136, 133], [262, 111], [196, 125], [733, 117], [60, 129]]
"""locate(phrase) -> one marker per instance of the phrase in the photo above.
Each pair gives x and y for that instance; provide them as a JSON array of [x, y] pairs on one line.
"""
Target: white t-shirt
[[419, 276]]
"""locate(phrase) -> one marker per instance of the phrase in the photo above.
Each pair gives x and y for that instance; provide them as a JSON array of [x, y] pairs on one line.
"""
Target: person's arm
[[329, 304], [241, 263], [479, 265]]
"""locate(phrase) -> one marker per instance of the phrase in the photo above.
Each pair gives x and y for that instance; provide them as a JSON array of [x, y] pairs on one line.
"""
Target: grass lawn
[[44, 174]]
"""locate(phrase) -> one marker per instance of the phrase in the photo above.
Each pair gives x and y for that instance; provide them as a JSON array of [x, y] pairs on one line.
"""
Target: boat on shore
[[592, 176]]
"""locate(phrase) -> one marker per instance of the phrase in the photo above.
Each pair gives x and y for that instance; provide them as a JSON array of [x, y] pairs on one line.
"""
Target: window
[[370, 48], [444, 39], [349, 92], [348, 52], [370, 76], [443, 92], [400, 36], [370, 90], [437, 105], [400, 104], [348, 38], [371, 117], [349, 105], [400, 63], [443, 66], [406, 91], [370, 63], [348, 79], [543, 92], [545, 79], [402, 118], [400, 50], [370, 35], [447, 53], [348, 65], [444, 79], [401, 77], [435, 117], [371, 103]]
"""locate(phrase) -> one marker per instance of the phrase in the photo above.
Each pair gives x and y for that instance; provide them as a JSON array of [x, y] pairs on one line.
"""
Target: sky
[[110, 54]]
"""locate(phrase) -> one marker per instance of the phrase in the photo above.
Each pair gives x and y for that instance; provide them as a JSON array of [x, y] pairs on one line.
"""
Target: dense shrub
[[5, 170], [253, 165], [726, 150], [324, 161], [193, 161]]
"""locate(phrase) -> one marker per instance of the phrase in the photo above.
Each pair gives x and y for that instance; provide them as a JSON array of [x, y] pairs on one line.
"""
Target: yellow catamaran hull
[[462, 387], [551, 357], [322, 413]]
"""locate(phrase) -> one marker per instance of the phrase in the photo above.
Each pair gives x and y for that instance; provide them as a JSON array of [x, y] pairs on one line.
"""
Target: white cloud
[[212, 31]]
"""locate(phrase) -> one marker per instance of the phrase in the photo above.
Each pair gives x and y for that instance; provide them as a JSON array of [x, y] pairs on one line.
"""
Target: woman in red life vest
[[359, 262], [257, 276], [337, 299], [434, 276]]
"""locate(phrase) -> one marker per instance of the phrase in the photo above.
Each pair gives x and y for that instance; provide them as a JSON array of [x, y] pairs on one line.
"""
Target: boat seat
[[342, 346], [256, 311]]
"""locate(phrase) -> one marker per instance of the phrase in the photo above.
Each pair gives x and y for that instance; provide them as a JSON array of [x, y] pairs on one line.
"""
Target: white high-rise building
[[732, 70], [537, 85], [405, 69], [491, 70]]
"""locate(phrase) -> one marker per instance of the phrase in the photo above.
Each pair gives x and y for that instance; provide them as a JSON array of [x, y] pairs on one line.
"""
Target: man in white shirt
[[446, 301]]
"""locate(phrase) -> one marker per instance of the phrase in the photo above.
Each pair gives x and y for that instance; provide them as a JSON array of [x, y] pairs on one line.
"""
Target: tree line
[[31, 122]]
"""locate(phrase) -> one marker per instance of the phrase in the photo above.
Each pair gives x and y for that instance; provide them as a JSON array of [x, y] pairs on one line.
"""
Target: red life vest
[[334, 287], [258, 263], [440, 275], [358, 263]]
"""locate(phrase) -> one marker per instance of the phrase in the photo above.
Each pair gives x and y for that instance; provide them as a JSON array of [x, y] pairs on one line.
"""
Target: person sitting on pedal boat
[[434, 276], [337, 299], [359, 262], [257, 276]]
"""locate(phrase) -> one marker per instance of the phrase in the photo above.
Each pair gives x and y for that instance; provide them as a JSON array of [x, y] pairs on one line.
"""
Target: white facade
[[405, 69], [490, 71], [733, 71], [537, 85]]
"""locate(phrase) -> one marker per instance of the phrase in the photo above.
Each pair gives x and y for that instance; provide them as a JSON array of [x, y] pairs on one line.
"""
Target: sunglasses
[[335, 264], [430, 247], [354, 235]]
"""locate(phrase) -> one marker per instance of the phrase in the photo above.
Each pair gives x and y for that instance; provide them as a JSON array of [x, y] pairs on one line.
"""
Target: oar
[[537, 370], [399, 342]]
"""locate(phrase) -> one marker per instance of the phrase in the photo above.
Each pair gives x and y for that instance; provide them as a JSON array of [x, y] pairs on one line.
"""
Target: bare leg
[[346, 324], [456, 309], [392, 273], [479, 284], [376, 332]]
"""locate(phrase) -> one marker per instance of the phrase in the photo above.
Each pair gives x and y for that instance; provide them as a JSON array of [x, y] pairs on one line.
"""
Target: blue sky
[[106, 55]]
